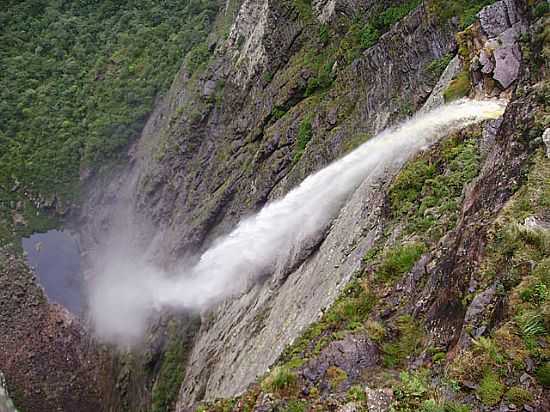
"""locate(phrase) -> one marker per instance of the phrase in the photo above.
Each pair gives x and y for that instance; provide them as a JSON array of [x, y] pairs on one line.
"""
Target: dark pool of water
[[55, 257]]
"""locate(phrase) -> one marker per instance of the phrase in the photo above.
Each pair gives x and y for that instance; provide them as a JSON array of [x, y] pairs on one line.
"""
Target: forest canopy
[[78, 79]]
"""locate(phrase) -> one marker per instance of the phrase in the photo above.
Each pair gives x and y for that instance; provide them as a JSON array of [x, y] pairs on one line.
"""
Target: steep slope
[[289, 90], [48, 358], [460, 303], [417, 270]]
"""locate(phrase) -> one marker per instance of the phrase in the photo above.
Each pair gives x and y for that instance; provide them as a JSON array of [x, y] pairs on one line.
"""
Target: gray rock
[[487, 64], [506, 65], [353, 355], [209, 88], [494, 19], [436, 97], [488, 136], [379, 400], [546, 140], [351, 407]]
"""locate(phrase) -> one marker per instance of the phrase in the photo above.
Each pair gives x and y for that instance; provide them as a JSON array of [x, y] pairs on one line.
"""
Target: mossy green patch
[[543, 374], [490, 389], [459, 87], [409, 340], [171, 373], [438, 66], [518, 395], [305, 133], [399, 260], [282, 380], [464, 10]]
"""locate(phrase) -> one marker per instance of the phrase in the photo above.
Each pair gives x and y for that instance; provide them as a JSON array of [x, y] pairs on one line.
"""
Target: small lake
[[55, 257]]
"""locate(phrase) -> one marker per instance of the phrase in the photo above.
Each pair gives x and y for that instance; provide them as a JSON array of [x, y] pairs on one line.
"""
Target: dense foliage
[[78, 81]]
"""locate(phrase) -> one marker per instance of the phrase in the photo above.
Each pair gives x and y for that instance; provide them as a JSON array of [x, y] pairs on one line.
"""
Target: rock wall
[[48, 360]]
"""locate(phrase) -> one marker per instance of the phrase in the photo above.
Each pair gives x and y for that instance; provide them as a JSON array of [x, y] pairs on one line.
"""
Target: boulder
[[494, 19], [379, 400]]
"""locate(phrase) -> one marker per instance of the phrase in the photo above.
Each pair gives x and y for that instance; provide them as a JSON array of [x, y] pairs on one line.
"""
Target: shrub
[[277, 113], [541, 9], [356, 394], [170, 377], [408, 342], [197, 57], [438, 66], [368, 36], [465, 10], [413, 384], [446, 406], [324, 34], [518, 396], [352, 307], [295, 406], [399, 260], [458, 88], [336, 377], [490, 389], [543, 374], [488, 347], [281, 380], [530, 324], [375, 330]]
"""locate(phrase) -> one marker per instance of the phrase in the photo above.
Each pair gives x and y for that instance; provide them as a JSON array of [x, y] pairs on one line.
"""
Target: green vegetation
[[410, 336], [78, 82], [197, 57], [413, 385], [349, 312], [281, 381], [438, 66], [304, 9], [324, 34], [399, 260], [458, 88], [543, 374], [295, 405], [490, 389], [361, 35], [428, 190], [541, 9], [356, 394], [304, 136], [336, 377], [431, 405], [518, 396], [170, 377], [465, 10]]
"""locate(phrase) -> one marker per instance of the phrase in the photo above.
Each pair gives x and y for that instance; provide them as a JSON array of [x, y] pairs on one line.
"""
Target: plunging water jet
[[129, 290]]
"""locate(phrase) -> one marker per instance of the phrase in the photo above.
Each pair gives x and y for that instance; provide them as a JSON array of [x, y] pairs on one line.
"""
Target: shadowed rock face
[[49, 362]]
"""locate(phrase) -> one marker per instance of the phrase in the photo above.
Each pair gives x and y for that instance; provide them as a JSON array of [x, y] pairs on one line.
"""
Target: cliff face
[[408, 270], [227, 139], [49, 360]]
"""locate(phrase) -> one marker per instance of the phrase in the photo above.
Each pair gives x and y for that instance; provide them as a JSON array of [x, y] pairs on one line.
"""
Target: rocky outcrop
[[222, 143], [495, 51], [48, 360]]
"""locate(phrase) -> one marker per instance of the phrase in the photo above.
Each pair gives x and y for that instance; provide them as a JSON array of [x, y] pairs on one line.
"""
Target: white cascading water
[[125, 295]]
